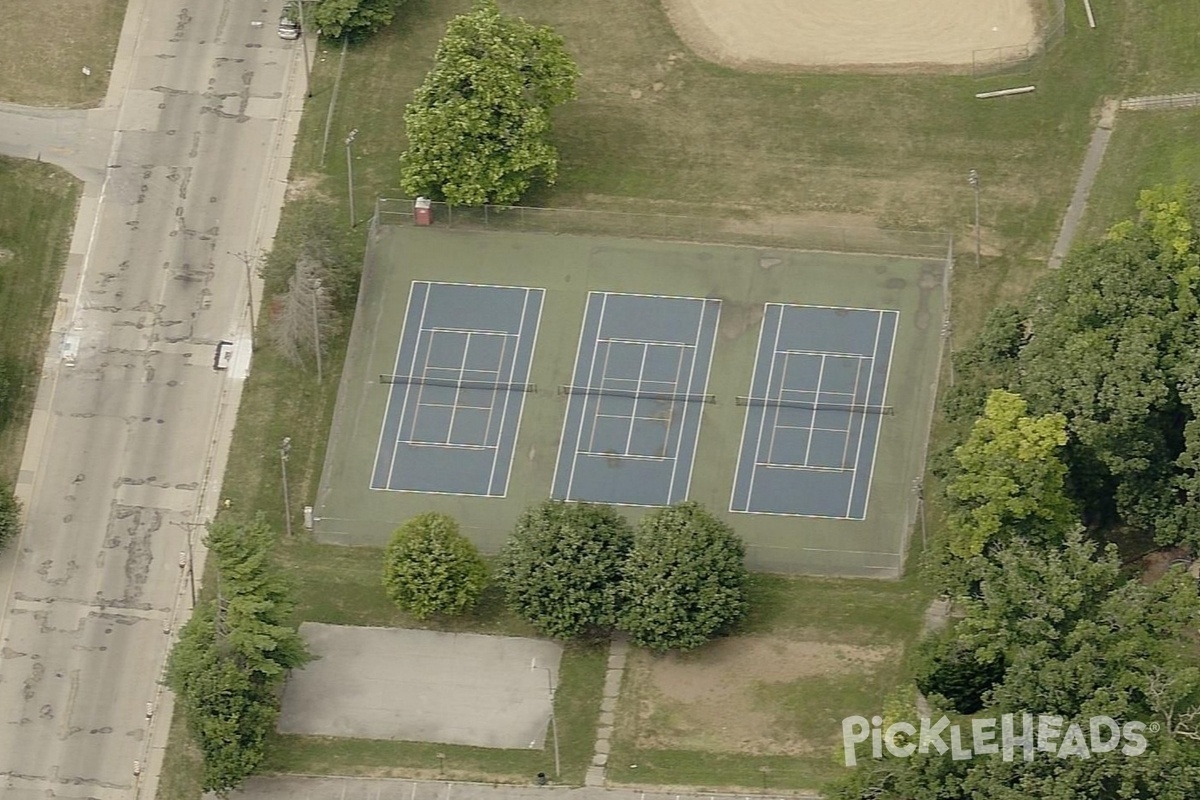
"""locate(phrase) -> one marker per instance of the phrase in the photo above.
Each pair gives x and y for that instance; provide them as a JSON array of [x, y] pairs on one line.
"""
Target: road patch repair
[[422, 686]]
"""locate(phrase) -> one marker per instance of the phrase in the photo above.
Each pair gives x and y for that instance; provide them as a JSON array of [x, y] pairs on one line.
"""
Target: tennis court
[[814, 411], [634, 405], [788, 391], [456, 393]]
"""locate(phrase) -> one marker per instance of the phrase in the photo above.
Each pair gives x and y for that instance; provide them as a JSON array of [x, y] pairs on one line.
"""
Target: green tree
[[685, 579], [354, 18], [950, 669], [1008, 479], [562, 566], [430, 568], [10, 515], [479, 125], [234, 653]]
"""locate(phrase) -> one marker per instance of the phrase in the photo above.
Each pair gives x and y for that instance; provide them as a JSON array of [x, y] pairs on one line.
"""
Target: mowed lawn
[[47, 43], [37, 211], [656, 128]]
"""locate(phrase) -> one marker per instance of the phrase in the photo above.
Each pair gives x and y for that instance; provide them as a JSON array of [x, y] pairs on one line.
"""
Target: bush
[[562, 566], [685, 579], [430, 568], [949, 669]]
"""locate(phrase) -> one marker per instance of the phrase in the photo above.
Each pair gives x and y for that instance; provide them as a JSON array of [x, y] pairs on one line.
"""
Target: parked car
[[288, 28]]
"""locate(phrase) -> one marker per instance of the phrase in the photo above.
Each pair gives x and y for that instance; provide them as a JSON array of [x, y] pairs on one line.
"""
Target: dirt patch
[[866, 32], [714, 700]]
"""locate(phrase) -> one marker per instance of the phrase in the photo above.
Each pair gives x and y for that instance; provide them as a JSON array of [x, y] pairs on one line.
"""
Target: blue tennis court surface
[[814, 411], [636, 399], [456, 395]]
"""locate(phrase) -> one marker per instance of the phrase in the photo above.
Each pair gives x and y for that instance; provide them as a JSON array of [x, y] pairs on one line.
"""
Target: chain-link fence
[[734, 229], [1018, 59]]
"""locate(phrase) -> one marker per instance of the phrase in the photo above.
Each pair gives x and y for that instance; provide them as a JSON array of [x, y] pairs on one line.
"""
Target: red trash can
[[423, 211]]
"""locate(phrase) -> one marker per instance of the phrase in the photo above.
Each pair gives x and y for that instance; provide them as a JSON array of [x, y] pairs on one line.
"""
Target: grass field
[[47, 44], [37, 210], [845, 149]]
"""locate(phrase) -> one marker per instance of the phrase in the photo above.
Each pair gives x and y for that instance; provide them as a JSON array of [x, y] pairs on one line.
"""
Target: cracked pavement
[[184, 165]]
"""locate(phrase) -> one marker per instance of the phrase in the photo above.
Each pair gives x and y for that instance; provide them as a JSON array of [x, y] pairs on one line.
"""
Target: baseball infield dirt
[[878, 33]]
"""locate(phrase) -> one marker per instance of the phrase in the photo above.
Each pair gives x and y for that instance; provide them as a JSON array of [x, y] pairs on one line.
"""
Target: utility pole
[[285, 447], [973, 179], [316, 296], [304, 45], [553, 717], [247, 260], [189, 560], [350, 176]]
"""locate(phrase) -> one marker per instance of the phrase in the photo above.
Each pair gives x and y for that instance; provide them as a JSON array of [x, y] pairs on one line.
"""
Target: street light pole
[[284, 448], [191, 558], [553, 716], [304, 45], [350, 176], [973, 179]]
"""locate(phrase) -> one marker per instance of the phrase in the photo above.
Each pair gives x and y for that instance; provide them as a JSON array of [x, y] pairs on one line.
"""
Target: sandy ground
[[855, 32]]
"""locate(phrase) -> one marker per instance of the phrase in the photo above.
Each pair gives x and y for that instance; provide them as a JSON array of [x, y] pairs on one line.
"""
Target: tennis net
[[849, 408], [418, 380], [666, 397]]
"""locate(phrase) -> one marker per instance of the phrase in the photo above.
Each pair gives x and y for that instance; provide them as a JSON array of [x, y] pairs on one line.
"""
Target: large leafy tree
[[234, 653], [430, 568], [685, 580], [479, 125], [1010, 480], [562, 566], [355, 18]]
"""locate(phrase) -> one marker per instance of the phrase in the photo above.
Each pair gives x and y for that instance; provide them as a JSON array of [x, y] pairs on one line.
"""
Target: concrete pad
[[422, 686]]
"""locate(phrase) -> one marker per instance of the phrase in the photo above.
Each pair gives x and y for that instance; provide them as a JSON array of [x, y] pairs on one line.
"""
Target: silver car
[[288, 29]]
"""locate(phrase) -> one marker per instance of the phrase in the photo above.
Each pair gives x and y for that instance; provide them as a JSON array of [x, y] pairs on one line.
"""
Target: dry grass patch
[[739, 695], [48, 43]]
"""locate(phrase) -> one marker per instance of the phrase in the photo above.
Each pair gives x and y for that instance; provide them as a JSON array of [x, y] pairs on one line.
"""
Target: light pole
[[285, 447], [246, 260], [973, 179], [191, 559], [350, 175], [553, 716], [304, 45]]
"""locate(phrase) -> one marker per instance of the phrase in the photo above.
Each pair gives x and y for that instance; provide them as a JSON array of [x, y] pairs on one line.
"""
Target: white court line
[[591, 374], [623, 456], [816, 402], [832, 308], [570, 400], [647, 341], [598, 398], [886, 380], [712, 349], [866, 401], [803, 467], [391, 395], [408, 389], [468, 331], [512, 371], [496, 393], [737, 469], [763, 422], [462, 371], [637, 389], [679, 431], [537, 324], [452, 446], [823, 352], [863, 430]]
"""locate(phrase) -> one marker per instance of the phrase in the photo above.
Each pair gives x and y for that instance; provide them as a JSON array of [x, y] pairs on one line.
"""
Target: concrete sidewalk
[[314, 788]]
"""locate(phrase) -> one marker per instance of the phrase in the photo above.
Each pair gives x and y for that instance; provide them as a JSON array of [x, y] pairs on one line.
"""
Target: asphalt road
[[185, 163]]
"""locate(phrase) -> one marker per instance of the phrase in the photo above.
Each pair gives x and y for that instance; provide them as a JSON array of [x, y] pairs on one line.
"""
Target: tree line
[[1073, 419], [574, 570]]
